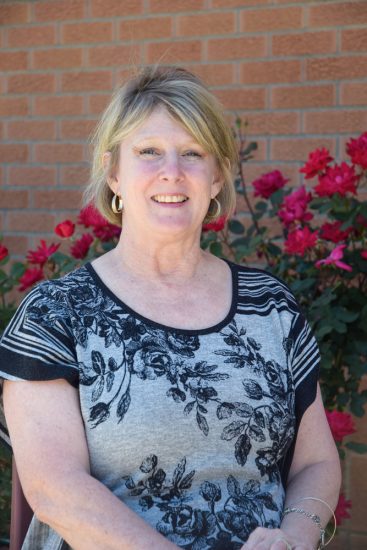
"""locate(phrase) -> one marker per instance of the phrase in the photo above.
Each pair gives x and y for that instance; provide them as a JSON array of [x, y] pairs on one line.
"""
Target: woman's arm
[[51, 453], [315, 472]]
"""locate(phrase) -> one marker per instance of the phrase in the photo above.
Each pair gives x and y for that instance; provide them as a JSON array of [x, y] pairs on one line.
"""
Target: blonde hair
[[186, 99]]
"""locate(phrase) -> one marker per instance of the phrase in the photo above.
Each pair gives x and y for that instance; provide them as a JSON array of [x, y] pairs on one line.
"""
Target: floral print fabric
[[191, 429]]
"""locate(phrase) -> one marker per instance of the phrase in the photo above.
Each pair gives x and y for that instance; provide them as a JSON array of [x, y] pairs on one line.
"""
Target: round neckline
[[207, 330]]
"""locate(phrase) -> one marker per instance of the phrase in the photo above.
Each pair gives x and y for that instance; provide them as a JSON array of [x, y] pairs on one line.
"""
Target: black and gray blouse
[[193, 429]]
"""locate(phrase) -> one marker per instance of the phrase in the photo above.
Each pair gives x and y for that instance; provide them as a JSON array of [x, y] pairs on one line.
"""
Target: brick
[[206, 23], [75, 175], [270, 72], [238, 3], [271, 19], [116, 8], [57, 58], [123, 75], [13, 153], [58, 105], [353, 93], [304, 43], [31, 83], [214, 74], [272, 123], [10, 106], [40, 222], [108, 56], [333, 14], [335, 68], [56, 199], [333, 122], [298, 149], [176, 6], [242, 98], [16, 244], [143, 29], [358, 492], [58, 10], [354, 40], [98, 103], [14, 199], [14, 13], [31, 36], [357, 541], [77, 129], [52, 153], [31, 130], [300, 97], [32, 175], [174, 52], [13, 61], [237, 48], [76, 33], [86, 81]]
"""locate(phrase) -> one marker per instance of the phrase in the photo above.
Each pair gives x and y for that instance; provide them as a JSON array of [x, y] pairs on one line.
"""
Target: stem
[[245, 196]]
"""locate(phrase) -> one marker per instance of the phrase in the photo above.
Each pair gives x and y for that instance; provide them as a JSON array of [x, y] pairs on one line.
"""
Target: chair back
[[21, 513]]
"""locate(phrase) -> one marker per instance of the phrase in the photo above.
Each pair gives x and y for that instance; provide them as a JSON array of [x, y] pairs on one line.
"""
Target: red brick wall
[[296, 70]]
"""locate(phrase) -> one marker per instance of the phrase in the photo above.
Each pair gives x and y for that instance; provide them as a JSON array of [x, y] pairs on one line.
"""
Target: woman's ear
[[112, 182], [219, 179]]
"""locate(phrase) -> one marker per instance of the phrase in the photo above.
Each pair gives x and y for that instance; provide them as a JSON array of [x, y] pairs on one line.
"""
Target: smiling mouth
[[170, 198]]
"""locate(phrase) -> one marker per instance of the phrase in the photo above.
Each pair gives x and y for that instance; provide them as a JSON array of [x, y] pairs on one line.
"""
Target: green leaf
[[359, 448], [322, 331], [216, 249], [299, 286], [357, 404], [344, 315], [261, 206], [236, 227], [17, 270]]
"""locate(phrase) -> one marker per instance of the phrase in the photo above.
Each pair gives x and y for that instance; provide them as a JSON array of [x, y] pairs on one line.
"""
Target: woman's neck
[[158, 259]]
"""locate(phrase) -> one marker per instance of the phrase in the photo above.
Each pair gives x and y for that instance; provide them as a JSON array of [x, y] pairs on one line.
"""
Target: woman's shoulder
[[54, 293], [260, 289]]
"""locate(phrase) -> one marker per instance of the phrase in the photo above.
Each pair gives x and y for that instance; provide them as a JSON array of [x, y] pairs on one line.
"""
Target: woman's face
[[165, 178]]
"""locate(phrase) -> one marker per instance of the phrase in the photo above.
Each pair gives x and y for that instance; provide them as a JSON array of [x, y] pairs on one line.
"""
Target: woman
[[168, 398]]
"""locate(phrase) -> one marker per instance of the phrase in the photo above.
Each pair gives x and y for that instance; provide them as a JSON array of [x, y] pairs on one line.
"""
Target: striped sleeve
[[38, 342], [305, 361]]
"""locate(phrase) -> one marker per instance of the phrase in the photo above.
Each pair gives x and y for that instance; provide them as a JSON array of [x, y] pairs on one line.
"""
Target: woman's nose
[[171, 169]]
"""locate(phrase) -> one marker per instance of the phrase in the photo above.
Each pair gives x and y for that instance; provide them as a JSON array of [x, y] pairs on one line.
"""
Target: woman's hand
[[274, 539]]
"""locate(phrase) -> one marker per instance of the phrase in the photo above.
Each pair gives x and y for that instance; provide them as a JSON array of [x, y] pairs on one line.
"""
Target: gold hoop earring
[[116, 208], [210, 217]]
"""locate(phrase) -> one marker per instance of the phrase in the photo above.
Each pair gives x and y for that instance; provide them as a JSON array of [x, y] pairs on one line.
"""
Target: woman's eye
[[148, 151], [193, 154]]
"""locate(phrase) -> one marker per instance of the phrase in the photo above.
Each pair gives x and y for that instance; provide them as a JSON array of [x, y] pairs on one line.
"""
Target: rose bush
[[313, 237]]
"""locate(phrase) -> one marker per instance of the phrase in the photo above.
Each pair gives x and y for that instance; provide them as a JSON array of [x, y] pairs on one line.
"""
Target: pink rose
[[294, 207], [334, 258], [300, 240], [357, 150], [341, 424], [340, 179], [268, 184], [65, 229], [316, 163]]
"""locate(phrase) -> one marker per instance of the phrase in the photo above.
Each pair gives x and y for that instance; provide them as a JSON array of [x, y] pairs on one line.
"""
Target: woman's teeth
[[170, 198]]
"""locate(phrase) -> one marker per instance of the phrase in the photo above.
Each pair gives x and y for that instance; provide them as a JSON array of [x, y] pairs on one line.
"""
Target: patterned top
[[193, 429]]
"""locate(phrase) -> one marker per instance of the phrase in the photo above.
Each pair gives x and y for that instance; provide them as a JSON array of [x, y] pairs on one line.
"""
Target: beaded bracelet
[[315, 518]]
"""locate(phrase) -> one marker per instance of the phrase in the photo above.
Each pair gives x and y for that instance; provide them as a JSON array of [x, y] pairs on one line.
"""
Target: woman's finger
[[281, 544]]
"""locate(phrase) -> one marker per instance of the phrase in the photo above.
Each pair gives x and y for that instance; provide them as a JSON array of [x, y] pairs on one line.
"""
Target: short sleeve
[[305, 364], [38, 342], [304, 357]]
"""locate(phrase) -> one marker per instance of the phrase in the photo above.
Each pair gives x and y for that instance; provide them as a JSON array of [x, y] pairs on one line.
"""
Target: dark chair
[[21, 513]]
